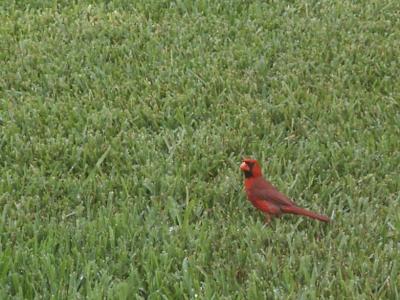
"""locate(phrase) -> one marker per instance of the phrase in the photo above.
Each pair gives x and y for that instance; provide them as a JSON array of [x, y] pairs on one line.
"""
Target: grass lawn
[[123, 125]]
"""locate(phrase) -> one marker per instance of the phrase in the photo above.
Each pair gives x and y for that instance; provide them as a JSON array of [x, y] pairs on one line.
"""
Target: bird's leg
[[267, 218]]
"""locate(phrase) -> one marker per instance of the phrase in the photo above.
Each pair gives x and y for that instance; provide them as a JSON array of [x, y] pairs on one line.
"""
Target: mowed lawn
[[123, 125]]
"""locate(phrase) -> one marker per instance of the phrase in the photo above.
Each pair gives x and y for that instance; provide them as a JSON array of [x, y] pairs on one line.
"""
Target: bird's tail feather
[[301, 211]]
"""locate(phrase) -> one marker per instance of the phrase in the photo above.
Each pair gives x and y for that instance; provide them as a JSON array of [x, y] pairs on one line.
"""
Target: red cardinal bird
[[264, 196]]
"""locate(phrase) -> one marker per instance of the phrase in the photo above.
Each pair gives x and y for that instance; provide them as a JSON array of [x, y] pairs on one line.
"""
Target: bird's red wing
[[264, 190]]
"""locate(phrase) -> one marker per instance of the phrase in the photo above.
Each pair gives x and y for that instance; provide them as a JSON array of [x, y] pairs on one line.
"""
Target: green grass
[[123, 126]]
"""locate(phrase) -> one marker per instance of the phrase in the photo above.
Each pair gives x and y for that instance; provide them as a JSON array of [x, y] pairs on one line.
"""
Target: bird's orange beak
[[244, 167]]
